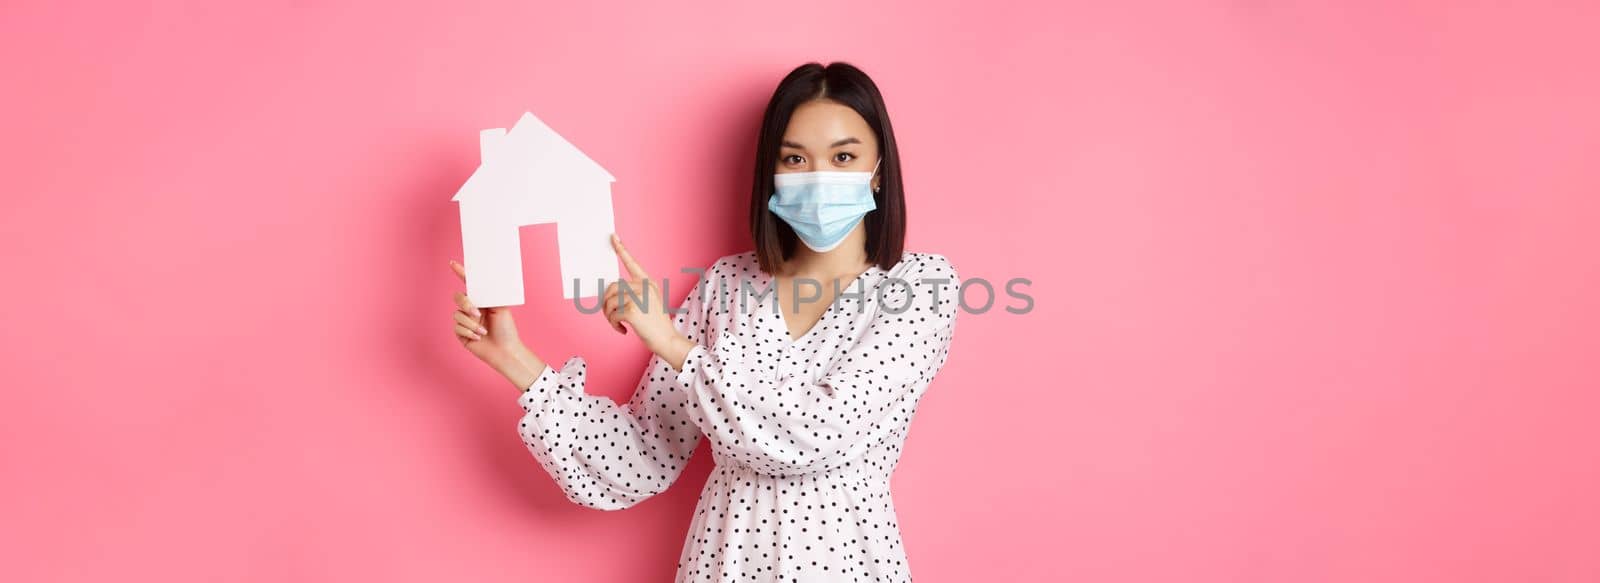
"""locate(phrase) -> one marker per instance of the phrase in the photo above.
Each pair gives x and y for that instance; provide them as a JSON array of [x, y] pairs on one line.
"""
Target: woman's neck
[[845, 261]]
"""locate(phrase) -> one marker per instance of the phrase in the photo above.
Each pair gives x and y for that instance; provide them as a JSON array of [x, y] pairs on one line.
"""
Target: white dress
[[805, 432]]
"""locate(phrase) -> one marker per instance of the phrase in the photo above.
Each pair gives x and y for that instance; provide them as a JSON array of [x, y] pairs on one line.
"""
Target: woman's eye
[[793, 159], [840, 158]]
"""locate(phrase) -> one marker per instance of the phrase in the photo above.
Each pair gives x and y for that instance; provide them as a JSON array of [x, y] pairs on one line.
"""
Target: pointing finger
[[627, 259]]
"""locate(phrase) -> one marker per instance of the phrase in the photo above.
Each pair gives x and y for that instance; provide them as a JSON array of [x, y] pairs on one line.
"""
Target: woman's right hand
[[491, 335]]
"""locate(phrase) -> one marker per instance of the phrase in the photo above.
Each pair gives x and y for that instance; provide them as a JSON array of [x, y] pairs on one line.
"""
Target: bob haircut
[[843, 83]]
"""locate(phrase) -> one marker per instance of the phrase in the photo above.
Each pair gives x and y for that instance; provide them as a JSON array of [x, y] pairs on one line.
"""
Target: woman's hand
[[491, 335], [638, 301]]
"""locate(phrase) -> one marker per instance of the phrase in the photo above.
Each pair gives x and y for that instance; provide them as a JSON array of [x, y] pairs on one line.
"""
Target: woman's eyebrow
[[850, 140]]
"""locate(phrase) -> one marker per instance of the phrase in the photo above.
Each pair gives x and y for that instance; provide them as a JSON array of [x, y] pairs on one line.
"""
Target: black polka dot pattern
[[805, 432]]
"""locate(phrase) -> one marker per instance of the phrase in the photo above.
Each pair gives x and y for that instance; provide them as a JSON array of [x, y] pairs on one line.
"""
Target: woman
[[802, 360]]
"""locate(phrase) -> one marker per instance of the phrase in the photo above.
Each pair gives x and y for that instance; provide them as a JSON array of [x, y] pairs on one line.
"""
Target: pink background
[[1316, 283]]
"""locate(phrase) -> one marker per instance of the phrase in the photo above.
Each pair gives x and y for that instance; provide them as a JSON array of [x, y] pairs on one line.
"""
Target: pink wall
[[1316, 285]]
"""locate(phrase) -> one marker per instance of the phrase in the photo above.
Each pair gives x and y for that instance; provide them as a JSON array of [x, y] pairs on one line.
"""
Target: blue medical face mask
[[823, 206]]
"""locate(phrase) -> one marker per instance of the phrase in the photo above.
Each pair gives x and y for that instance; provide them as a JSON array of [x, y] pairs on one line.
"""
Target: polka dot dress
[[805, 432]]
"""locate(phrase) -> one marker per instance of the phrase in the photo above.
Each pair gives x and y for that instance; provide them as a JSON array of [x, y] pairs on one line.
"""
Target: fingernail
[[482, 331]]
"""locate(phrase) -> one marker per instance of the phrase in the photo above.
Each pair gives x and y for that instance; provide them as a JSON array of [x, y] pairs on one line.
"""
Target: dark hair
[[841, 82]]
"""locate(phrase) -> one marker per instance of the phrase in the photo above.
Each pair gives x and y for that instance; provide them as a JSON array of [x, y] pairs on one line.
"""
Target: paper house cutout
[[530, 175]]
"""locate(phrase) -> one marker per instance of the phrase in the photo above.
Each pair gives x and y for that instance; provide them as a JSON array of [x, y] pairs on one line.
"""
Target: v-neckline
[[783, 322]]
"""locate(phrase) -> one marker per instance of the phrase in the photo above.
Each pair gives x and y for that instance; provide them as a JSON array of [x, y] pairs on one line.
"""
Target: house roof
[[529, 153]]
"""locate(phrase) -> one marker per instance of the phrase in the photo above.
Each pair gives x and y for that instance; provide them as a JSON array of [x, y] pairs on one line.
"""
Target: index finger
[[627, 259], [460, 270]]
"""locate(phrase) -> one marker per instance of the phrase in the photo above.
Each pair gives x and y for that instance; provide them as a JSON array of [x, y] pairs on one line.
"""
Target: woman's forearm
[[673, 350], [523, 368]]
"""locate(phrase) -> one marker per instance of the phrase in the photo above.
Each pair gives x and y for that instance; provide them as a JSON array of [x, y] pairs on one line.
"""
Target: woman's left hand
[[640, 304]]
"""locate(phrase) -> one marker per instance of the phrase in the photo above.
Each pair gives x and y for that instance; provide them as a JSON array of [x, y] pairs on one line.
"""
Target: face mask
[[823, 206]]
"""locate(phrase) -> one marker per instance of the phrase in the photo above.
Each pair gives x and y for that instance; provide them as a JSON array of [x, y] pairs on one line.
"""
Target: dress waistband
[[844, 476]]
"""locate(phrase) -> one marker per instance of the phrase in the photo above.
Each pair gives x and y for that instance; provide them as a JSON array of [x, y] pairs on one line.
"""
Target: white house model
[[532, 176]]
